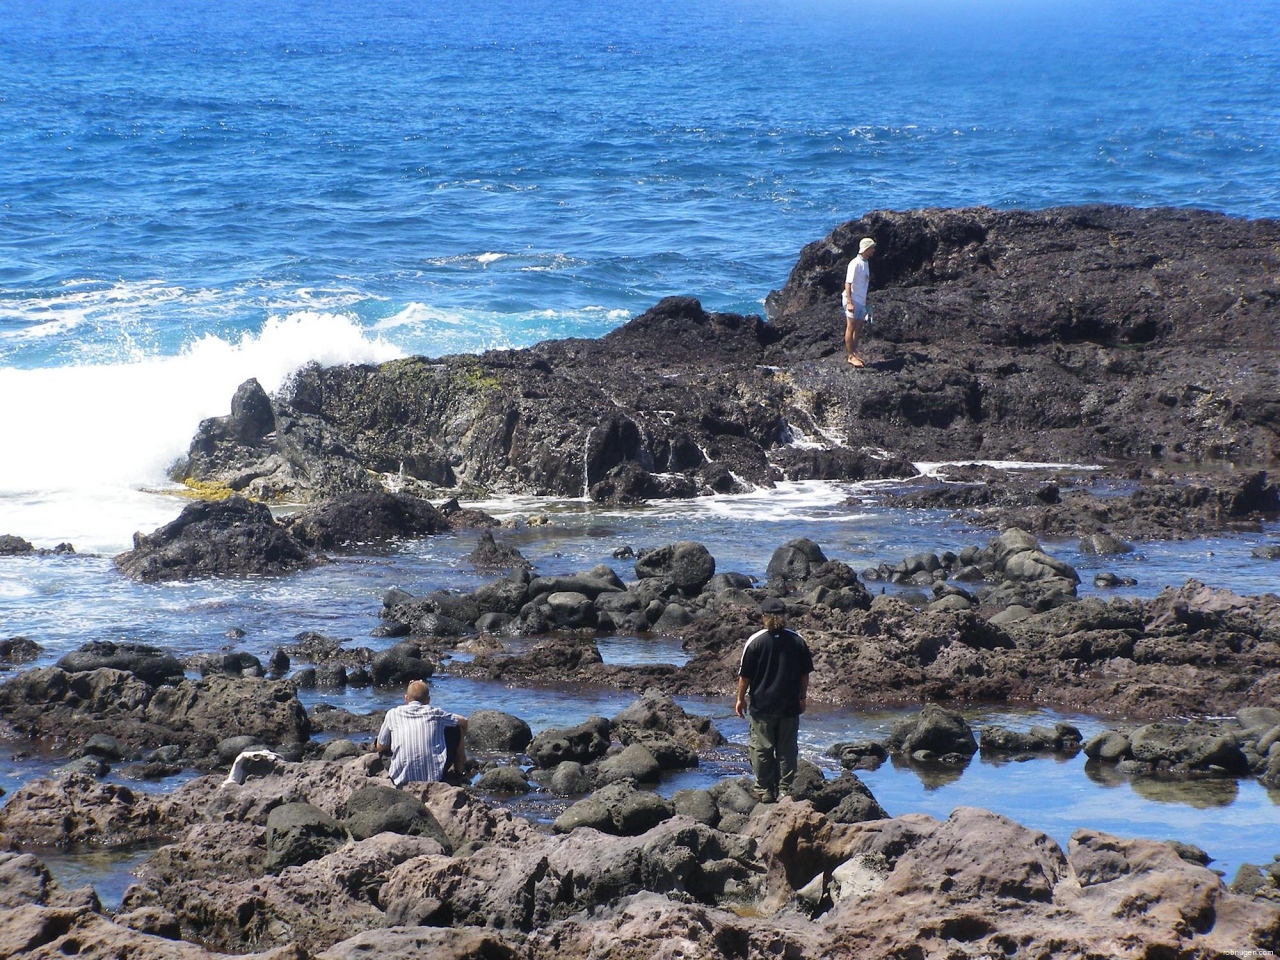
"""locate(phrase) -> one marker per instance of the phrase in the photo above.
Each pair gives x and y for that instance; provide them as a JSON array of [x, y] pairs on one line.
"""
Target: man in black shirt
[[774, 677]]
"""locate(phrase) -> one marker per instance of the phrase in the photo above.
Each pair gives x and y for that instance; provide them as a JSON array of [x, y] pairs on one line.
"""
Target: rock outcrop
[[1071, 334]]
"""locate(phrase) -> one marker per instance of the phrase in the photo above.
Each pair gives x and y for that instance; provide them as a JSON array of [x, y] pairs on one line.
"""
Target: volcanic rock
[[364, 516], [233, 537]]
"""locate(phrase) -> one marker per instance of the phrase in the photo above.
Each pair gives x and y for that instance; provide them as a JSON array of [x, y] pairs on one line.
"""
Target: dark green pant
[[774, 753]]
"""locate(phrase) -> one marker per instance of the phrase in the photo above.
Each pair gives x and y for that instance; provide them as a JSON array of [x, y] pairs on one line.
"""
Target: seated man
[[425, 743]]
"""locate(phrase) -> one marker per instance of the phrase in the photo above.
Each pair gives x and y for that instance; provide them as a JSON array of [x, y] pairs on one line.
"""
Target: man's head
[[417, 692], [866, 247], [774, 613]]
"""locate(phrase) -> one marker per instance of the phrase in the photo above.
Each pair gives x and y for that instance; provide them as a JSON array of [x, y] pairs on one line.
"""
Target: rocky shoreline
[[316, 855], [1143, 342], [323, 858]]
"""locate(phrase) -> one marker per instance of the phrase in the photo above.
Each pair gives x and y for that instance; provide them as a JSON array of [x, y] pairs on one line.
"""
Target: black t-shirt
[[774, 664]]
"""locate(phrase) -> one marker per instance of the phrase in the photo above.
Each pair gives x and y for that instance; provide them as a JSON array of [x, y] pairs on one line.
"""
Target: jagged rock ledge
[[1080, 334]]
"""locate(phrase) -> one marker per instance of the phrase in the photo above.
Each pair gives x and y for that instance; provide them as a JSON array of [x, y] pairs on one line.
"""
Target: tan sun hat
[[866, 244]]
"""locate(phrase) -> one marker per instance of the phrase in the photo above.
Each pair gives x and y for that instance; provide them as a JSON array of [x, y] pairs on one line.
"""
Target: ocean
[[195, 193]]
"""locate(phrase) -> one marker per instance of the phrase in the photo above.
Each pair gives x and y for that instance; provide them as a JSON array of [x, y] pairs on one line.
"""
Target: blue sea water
[[194, 193]]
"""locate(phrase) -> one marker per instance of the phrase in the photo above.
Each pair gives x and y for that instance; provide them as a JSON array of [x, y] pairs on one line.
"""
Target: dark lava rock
[[399, 665], [1060, 738], [586, 742], [17, 650], [364, 516], [840, 463], [230, 537], [506, 779], [1012, 333], [568, 779], [11, 546], [934, 729], [491, 731], [1068, 334], [634, 762], [794, 560], [298, 833], [149, 664], [378, 809], [491, 555], [1197, 745], [618, 808], [686, 564]]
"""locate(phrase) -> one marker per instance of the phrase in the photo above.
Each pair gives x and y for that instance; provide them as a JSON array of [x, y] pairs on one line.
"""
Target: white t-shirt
[[858, 279]]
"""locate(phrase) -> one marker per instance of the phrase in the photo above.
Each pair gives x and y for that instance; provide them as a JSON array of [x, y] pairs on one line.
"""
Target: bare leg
[[853, 326]]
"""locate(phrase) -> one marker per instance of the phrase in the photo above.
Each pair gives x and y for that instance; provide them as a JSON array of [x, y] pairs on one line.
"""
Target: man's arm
[[382, 742], [740, 704], [804, 692]]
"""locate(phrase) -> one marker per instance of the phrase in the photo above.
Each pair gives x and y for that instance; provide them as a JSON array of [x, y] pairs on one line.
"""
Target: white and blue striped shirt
[[415, 734]]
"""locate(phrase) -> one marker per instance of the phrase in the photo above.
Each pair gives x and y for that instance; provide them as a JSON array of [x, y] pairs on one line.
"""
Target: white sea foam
[[77, 443], [795, 500], [119, 308], [930, 468], [437, 331]]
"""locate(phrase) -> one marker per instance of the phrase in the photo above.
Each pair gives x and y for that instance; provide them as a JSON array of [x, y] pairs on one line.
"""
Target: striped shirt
[[415, 734]]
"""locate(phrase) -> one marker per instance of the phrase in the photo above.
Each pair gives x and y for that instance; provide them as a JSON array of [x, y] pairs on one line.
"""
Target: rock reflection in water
[[933, 775], [1200, 794]]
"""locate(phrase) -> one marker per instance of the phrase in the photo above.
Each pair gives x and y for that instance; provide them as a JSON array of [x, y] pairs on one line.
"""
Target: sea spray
[[90, 436]]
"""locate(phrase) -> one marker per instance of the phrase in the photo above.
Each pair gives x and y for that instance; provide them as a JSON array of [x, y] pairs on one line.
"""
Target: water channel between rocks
[[64, 602]]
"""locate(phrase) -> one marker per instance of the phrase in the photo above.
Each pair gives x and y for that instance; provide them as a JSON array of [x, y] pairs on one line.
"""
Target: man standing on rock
[[774, 677], [856, 281], [424, 741]]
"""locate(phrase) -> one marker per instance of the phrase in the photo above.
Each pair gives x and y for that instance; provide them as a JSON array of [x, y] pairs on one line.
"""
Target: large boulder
[[688, 565], [495, 732], [298, 833], [149, 664], [618, 808], [635, 763], [1197, 745], [364, 516], [587, 741], [400, 665], [232, 537], [376, 809], [795, 560], [935, 731]]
